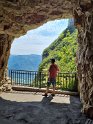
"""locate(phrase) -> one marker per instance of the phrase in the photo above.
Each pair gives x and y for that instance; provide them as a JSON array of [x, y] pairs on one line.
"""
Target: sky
[[35, 41]]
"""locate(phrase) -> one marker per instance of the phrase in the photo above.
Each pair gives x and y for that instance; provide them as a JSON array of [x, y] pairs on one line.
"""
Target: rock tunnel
[[19, 16]]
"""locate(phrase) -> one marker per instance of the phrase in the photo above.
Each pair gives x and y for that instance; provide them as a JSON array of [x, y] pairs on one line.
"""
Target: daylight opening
[[30, 55], [29, 48]]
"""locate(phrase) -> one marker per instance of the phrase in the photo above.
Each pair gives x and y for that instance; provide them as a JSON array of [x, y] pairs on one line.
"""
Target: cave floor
[[33, 108]]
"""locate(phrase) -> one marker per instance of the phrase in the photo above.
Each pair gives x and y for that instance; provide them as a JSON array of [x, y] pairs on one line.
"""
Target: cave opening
[[33, 43], [55, 39], [17, 17]]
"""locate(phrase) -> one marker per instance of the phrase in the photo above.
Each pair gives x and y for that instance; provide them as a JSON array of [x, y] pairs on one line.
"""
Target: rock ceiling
[[18, 16]]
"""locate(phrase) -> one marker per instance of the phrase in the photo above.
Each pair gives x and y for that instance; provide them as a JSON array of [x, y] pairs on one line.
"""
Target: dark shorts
[[51, 81]]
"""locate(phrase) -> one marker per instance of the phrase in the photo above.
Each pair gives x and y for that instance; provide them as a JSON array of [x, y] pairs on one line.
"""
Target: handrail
[[64, 81], [40, 71]]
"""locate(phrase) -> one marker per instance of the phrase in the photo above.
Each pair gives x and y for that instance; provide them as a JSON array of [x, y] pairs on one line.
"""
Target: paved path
[[31, 108]]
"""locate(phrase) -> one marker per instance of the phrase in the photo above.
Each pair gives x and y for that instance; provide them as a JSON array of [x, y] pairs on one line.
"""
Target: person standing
[[53, 70]]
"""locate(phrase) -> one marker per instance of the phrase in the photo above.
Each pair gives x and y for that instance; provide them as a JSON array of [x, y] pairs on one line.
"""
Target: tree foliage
[[63, 49]]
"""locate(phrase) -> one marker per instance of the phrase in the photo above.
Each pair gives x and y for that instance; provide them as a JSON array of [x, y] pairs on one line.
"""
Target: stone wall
[[5, 45], [19, 16], [84, 21]]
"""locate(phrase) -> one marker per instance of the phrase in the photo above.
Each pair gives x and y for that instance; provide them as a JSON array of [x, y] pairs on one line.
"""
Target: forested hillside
[[63, 49]]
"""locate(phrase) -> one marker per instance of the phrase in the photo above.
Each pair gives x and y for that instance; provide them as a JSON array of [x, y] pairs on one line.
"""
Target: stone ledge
[[33, 89]]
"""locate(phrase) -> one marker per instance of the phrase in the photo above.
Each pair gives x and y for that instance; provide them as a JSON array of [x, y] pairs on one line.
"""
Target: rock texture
[[5, 45], [84, 23], [18, 16]]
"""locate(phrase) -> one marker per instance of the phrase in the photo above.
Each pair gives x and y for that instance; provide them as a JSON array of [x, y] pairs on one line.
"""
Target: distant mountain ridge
[[24, 62]]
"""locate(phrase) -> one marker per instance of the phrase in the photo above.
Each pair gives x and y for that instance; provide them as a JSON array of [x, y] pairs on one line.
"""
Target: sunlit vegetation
[[63, 49]]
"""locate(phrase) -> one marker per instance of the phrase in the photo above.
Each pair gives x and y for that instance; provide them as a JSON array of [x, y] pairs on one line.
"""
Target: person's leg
[[54, 86], [47, 89], [53, 90]]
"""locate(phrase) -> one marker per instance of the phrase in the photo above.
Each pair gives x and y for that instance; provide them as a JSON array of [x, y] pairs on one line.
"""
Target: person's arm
[[57, 68]]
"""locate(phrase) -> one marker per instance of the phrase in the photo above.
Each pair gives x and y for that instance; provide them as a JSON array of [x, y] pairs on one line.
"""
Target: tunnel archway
[[17, 16]]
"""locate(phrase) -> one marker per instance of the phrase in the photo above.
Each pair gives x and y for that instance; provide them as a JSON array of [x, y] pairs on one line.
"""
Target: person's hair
[[52, 60]]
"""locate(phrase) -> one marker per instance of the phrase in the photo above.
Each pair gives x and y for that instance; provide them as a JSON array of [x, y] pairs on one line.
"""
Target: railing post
[[35, 80], [66, 83], [40, 80], [11, 77], [76, 82]]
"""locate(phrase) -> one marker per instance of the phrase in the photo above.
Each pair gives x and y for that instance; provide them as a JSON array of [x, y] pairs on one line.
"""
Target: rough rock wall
[[84, 22], [18, 16], [5, 45]]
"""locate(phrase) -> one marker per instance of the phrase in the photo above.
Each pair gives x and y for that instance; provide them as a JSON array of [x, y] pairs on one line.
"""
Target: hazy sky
[[35, 41]]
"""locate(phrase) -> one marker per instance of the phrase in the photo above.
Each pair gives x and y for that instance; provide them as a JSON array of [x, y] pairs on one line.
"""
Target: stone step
[[32, 89]]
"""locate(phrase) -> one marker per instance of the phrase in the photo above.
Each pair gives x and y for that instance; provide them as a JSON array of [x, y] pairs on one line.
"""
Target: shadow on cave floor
[[30, 108]]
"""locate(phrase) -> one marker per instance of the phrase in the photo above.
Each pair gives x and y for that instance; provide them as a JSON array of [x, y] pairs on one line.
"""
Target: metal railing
[[64, 81]]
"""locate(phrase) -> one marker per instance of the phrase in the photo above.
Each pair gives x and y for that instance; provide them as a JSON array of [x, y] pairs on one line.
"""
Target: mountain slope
[[63, 49], [24, 62]]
